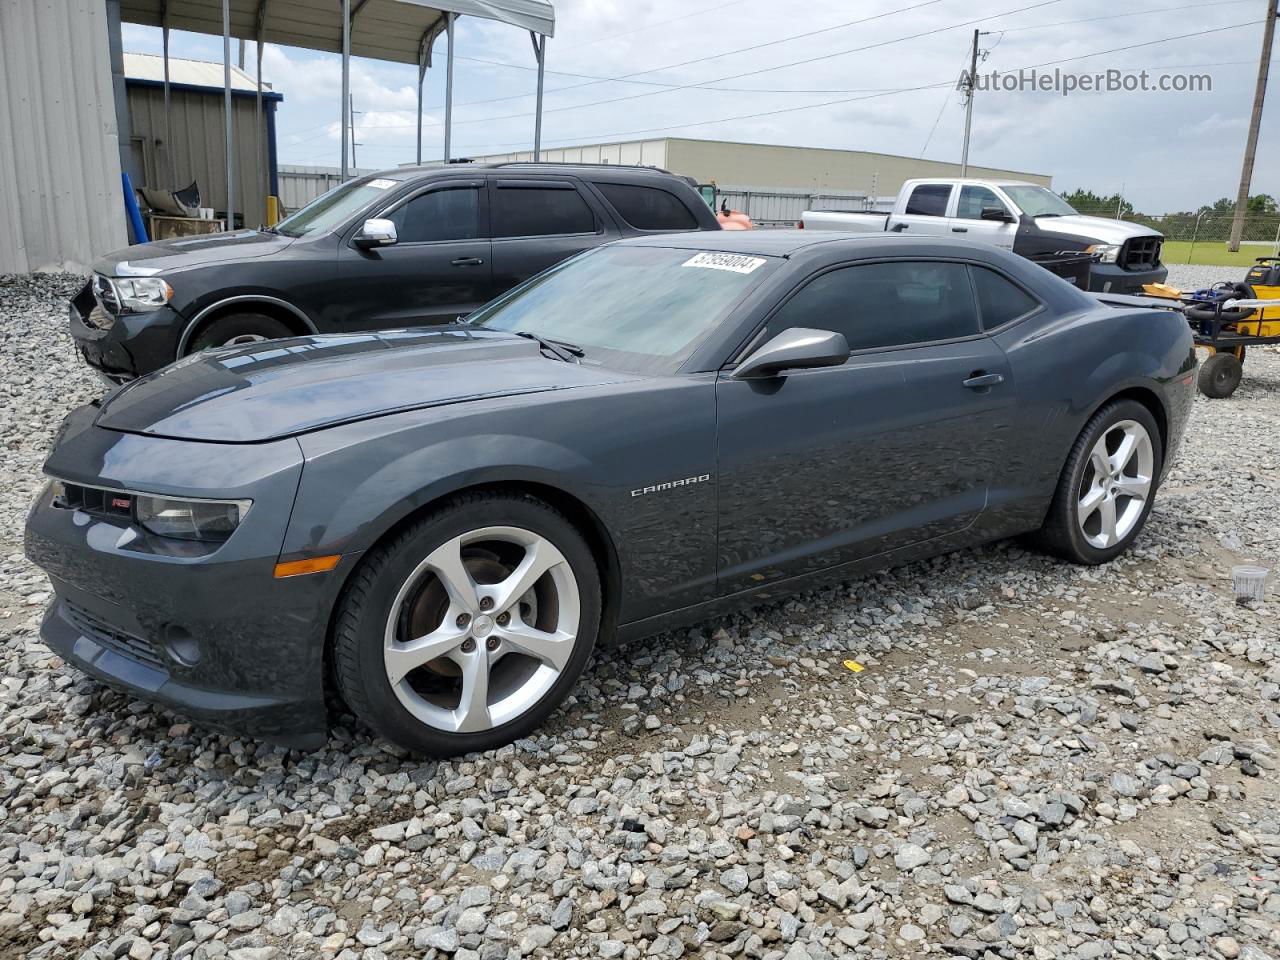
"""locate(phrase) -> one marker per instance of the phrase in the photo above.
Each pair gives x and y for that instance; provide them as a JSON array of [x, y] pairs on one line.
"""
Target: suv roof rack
[[575, 163]]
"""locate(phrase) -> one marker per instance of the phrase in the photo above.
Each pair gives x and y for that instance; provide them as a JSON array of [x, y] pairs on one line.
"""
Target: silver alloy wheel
[[243, 338], [497, 648], [1116, 484]]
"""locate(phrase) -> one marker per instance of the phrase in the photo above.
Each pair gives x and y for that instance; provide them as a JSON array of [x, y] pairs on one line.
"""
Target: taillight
[[800, 225]]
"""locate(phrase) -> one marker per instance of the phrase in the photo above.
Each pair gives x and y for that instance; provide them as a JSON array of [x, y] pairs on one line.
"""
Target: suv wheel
[[237, 328], [466, 631]]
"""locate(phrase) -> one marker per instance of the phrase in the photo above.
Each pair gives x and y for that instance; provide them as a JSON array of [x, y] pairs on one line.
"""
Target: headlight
[[1109, 252], [211, 520], [140, 294]]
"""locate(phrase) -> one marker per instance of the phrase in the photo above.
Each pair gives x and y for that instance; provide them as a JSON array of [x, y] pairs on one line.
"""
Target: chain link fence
[[1260, 237]]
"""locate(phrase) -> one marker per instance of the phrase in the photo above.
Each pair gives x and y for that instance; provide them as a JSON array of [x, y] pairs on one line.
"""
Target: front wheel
[[235, 329], [1107, 486], [467, 629]]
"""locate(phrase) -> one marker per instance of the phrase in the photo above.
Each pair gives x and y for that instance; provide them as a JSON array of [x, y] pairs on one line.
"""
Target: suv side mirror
[[999, 214], [798, 348], [375, 233]]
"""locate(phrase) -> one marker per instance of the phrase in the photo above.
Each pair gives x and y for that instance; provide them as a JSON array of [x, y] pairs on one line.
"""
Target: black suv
[[405, 247]]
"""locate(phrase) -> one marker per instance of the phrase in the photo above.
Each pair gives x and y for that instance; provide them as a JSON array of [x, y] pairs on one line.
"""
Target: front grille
[[113, 638], [107, 503], [1141, 253]]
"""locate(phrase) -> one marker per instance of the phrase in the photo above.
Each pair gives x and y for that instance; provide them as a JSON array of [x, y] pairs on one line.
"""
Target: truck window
[[648, 208], [929, 200], [532, 211], [973, 199], [447, 214], [885, 304]]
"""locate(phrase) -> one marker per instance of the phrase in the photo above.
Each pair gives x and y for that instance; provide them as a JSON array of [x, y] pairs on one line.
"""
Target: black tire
[[365, 606], [227, 329], [1219, 376], [1061, 534]]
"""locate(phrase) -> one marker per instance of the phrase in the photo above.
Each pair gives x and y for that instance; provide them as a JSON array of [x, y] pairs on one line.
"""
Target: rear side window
[[451, 214], [929, 200], [648, 208], [885, 304], [999, 300], [531, 211]]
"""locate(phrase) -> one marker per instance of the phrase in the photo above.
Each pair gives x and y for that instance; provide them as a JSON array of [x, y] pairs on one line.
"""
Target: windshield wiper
[[1050, 215], [568, 352]]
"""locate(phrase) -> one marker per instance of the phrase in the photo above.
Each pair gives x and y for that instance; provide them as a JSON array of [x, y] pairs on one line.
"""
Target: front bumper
[[134, 345], [206, 630], [1109, 278]]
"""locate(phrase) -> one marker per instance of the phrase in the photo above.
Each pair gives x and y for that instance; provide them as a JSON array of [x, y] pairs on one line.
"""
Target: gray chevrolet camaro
[[440, 524]]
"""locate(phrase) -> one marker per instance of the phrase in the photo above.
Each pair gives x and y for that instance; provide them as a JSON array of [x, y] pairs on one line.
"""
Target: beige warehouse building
[[770, 167]]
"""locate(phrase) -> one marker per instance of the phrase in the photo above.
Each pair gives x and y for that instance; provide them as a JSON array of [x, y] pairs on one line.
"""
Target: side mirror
[[999, 214], [798, 348], [375, 233]]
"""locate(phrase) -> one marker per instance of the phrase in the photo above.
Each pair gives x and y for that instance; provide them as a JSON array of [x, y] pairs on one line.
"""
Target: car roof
[[591, 171], [783, 243]]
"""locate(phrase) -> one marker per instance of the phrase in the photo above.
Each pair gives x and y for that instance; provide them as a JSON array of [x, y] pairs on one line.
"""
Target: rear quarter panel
[[1066, 366]]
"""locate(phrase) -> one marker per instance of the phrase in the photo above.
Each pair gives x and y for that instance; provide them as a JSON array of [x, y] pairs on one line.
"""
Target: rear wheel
[[1107, 486], [470, 627], [237, 328], [1220, 375]]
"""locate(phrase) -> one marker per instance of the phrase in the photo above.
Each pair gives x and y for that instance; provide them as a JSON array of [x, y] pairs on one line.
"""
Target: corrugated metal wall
[[299, 185], [60, 199], [199, 128]]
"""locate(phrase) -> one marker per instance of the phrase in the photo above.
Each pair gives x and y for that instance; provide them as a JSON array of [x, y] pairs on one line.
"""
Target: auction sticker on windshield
[[735, 262]]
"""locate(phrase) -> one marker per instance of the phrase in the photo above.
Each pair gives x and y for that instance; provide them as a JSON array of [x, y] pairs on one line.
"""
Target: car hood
[[1095, 229], [280, 388], [180, 253]]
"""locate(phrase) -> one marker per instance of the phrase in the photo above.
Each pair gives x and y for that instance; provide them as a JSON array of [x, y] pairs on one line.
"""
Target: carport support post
[[226, 103], [540, 52], [422, 75], [168, 127], [346, 82], [448, 86]]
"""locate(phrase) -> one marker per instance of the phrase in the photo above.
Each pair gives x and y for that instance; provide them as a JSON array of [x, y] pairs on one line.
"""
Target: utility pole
[[968, 104], [352, 112], [1251, 143]]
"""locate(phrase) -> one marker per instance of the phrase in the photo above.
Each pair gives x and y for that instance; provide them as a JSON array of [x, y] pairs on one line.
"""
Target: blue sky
[[1167, 150]]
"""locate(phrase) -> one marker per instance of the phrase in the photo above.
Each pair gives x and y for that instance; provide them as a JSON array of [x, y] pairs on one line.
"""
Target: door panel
[[536, 223], [967, 223], [925, 211], [826, 466], [440, 269]]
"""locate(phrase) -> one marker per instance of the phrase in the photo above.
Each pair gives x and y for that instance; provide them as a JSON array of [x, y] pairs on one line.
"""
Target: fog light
[[181, 645]]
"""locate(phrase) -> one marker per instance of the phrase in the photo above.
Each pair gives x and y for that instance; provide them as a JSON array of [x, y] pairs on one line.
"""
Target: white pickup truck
[[1026, 218]]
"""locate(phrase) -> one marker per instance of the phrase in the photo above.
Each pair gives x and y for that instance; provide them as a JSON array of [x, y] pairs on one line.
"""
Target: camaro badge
[[670, 485]]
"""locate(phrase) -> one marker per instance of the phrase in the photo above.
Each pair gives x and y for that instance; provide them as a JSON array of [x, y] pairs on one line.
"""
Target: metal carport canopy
[[380, 29], [400, 31]]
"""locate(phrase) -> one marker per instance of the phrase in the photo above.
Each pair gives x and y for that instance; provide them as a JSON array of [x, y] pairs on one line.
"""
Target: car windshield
[[334, 208], [1039, 202], [642, 309]]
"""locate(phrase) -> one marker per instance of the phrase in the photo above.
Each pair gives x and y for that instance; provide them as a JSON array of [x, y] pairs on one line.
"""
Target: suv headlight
[[140, 294], [1109, 252], [183, 519]]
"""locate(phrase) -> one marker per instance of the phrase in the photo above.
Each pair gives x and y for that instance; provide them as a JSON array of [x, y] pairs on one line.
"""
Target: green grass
[[1213, 253]]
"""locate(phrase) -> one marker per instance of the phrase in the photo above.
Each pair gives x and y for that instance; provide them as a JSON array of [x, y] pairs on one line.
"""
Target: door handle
[[959, 229], [899, 227], [980, 380], [467, 262]]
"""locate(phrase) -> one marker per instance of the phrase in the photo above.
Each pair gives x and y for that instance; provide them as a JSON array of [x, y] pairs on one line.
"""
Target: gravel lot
[[1037, 761]]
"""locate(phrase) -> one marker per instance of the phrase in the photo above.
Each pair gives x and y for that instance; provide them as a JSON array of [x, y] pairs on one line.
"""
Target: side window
[[530, 211], [973, 199], [885, 304], [648, 208], [929, 200], [447, 214], [999, 300]]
